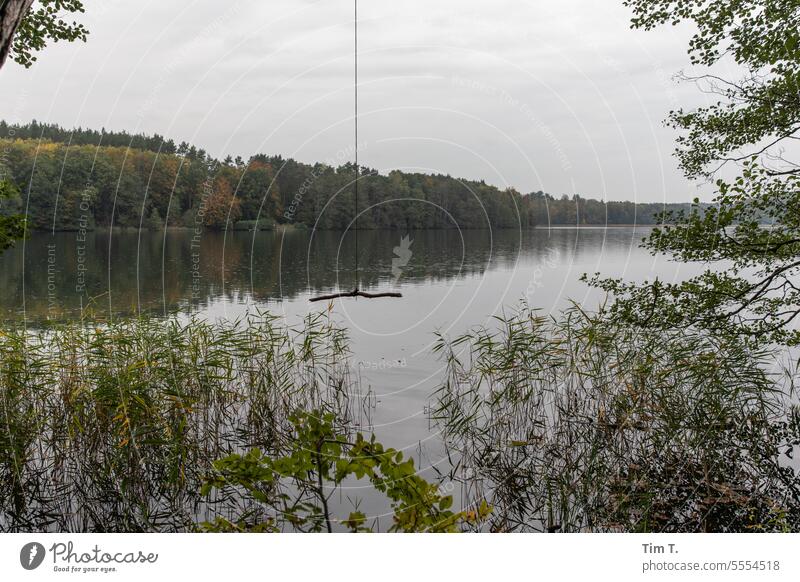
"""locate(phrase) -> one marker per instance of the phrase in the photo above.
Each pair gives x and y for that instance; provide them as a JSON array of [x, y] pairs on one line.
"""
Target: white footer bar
[[485, 557]]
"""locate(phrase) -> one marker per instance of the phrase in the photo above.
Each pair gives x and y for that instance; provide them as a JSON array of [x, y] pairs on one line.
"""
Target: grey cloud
[[560, 96]]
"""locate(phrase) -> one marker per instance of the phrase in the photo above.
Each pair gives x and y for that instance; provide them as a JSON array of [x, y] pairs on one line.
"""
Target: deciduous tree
[[26, 26], [752, 129]]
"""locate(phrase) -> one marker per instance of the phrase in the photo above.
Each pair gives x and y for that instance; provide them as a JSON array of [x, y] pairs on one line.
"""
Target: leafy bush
[[254, 225], [319, 459]]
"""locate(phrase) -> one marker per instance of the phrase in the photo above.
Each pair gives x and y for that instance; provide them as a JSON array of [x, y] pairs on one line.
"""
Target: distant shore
[[304, 228]]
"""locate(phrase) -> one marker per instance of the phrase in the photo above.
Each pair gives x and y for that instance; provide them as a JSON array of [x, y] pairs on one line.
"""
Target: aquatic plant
[[112, 427], [579, 423]]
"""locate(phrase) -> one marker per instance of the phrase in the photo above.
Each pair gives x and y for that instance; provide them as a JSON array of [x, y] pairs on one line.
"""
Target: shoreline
[[292, 227]]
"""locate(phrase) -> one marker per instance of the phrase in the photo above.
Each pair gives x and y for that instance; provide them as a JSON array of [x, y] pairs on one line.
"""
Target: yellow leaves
[[180, 403], [481, 513]]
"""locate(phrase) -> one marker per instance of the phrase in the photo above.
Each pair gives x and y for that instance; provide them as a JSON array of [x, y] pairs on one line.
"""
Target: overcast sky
[[559, 96]]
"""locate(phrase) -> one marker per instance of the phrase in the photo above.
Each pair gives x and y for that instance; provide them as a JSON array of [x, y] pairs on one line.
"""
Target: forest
[[71, 179]]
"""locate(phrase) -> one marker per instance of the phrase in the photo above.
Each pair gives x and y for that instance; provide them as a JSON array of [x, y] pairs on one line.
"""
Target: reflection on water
[[56, 275], [451, 281]]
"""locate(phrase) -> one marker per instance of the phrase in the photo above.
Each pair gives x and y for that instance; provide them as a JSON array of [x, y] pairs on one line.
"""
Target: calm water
[[450, 281]]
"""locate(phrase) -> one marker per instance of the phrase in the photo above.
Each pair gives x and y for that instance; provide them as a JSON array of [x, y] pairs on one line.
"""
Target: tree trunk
[[11, 14]]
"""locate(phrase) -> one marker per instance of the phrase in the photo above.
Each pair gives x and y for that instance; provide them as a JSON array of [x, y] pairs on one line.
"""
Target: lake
[[450, 280]]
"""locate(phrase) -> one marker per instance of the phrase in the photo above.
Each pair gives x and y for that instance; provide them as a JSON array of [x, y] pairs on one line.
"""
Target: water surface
[[451, 281]]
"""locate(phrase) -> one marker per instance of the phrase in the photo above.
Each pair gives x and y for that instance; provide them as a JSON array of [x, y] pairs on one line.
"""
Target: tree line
[[69, 179]]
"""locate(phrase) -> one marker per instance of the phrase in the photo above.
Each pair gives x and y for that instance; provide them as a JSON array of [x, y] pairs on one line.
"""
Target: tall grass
[[568, 424], [580, 424], [113, 427]]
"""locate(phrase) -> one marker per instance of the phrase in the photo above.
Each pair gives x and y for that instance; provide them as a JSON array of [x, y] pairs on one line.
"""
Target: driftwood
[[354, 293]]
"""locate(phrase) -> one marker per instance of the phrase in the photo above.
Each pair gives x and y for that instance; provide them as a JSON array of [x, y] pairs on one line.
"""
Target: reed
[[112, 427], [581, 424]]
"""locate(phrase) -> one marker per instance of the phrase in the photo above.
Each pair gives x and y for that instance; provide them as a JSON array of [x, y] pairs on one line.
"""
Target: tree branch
[[12, 13], [354, 293]]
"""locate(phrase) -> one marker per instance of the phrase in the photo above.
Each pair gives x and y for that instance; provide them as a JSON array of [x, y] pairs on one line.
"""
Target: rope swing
[[355, 292]]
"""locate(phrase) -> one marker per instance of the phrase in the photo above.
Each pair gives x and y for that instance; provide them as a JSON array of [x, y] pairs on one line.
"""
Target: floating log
[[354, 293]]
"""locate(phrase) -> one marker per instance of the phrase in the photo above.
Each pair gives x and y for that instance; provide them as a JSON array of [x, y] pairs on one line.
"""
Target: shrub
[[295, 488], [254, 225]]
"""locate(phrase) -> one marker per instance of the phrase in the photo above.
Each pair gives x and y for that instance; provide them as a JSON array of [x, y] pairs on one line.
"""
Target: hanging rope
[[355, 292], [355, 118]]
